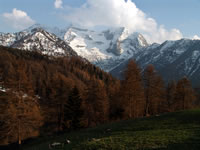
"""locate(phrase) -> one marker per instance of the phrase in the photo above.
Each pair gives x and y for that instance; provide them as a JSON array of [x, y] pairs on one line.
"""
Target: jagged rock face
[[106, 49], [172, 59], [7, 39], [46, 43], [175, 59], [39, 40], [111, 49]]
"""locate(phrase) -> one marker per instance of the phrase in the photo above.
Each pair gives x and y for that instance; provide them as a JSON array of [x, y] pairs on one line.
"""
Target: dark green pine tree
[[73, 109]]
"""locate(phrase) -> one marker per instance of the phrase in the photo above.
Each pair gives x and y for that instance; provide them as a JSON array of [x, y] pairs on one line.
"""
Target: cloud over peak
[[18, 19], [121, 13], [58, 4]]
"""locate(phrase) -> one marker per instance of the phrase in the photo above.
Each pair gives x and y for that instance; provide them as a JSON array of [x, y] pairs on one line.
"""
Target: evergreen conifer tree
[[73, 109]]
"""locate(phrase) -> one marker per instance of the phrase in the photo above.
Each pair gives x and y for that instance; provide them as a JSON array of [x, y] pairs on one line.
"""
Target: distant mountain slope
[[46, 42], [42, 70], [106, 49], [172, 59], [37, 39], [7, 39], [111, 49]]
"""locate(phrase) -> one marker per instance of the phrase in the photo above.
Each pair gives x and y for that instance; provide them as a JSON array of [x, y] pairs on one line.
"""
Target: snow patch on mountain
[[36, 38], [106, 49], [172, 59]]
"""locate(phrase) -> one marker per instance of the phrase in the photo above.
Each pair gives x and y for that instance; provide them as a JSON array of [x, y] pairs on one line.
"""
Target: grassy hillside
[[179, 131]]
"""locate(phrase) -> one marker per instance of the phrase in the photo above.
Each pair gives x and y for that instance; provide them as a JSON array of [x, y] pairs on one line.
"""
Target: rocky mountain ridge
[[172, 59], [111, 49], [106, 49]]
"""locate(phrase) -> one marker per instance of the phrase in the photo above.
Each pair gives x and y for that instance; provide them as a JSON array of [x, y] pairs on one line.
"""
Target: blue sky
[[181, 14], [171, 18]]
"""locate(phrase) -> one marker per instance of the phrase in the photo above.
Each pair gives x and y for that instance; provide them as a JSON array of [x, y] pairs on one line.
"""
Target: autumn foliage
[[42, 95]]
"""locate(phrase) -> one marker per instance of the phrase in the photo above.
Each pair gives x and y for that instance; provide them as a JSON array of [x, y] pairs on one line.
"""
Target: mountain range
[[111, 49], [172, 59]]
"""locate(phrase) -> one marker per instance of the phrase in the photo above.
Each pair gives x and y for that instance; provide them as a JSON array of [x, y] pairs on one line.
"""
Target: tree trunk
[[147, 110], [147, 105], [183, 102], [130, 108], [19, 133]]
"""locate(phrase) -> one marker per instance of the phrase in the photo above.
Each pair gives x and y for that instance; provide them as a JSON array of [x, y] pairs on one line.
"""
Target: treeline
[[145, 93], [41, 95]]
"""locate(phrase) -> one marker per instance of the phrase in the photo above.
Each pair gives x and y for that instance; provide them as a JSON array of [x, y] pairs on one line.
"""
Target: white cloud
[[121, 13], [18, 19], [196, 37], [58, 4]]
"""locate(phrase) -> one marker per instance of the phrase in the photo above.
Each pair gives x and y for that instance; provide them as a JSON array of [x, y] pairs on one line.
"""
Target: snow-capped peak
[[38, 39], [106, 49]]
